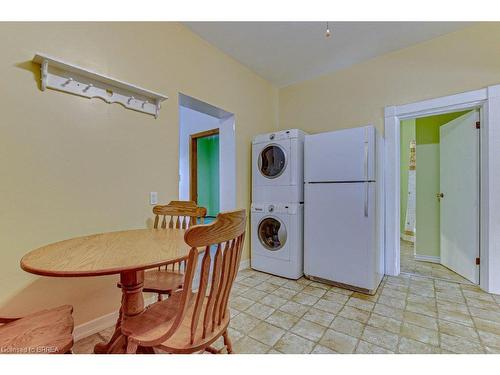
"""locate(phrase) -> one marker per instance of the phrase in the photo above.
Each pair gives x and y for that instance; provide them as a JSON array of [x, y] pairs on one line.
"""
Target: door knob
[[439, 196]]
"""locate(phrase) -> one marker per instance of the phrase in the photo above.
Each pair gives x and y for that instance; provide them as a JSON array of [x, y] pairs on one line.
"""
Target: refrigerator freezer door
[[339, 233], [343, 155]]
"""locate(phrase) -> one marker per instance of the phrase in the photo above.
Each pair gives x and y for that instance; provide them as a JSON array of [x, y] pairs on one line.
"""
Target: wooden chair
[[196, 316], [44, 332], [182, 204], [181, 215]]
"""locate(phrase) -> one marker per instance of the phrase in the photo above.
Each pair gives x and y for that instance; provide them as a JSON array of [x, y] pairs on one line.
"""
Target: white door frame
[[488, 102], [226, 123]]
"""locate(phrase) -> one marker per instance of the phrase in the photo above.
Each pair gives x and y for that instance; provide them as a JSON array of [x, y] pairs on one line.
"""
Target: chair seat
[[161, 281], [159, 317], [44, 332]]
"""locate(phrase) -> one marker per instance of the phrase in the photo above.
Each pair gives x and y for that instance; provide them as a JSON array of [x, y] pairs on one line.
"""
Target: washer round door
[[272, 233], [272, 161]]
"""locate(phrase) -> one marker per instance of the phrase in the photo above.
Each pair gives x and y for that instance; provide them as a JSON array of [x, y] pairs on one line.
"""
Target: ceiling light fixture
[[328, 32]]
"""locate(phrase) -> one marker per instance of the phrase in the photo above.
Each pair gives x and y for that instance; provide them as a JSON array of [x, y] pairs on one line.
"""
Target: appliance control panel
[[278, 136], [276, 208]]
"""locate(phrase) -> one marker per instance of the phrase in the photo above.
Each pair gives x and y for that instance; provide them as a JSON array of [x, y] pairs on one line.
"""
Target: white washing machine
[[278, 167], [277, 239]]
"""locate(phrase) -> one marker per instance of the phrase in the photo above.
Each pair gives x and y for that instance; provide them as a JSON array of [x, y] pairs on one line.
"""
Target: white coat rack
[[62, 76]]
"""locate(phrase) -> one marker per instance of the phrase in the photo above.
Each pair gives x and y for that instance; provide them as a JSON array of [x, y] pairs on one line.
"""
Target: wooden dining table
[[127, 253]]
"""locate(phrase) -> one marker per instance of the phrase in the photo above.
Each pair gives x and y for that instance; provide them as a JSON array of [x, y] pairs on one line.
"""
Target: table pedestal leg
[[132, 304]]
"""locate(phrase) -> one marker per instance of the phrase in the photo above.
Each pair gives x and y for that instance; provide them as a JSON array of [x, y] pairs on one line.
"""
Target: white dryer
[[278, 166], [277, 239]]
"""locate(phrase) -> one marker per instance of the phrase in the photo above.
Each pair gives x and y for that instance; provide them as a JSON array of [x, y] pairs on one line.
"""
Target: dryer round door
[[272, 161], [272, 233]]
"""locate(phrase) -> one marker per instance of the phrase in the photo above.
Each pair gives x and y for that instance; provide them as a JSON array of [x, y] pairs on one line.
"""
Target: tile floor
[[409, 314], [410, 265]]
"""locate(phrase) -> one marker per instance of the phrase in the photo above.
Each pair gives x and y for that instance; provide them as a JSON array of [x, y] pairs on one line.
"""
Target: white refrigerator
[[344, 208]]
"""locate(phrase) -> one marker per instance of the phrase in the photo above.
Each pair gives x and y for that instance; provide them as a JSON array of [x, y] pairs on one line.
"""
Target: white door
[[459, 206]]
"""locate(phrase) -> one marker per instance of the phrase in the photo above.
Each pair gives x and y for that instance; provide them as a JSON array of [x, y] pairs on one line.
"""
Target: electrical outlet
[[153, 197]]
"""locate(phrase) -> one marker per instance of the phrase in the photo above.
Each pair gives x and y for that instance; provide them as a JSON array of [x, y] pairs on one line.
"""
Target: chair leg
[[227, 342], [212, 350], [131, 347], [145, 350]]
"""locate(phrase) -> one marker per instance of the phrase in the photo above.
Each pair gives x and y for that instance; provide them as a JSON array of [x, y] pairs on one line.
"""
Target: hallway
[[426, 269]]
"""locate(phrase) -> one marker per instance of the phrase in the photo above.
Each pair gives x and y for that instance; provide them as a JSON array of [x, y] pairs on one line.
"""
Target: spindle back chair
[[179, 216], [175, 215], [193, 318]]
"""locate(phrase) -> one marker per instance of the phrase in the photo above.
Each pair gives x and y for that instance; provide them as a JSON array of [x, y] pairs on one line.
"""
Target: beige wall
[[465, 60], [72, 166]]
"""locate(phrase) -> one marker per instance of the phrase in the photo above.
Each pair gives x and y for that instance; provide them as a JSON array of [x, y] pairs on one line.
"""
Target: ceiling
[[289, 52]]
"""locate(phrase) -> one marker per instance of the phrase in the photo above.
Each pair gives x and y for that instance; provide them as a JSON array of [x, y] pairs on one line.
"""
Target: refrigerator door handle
[[366, 155], [366, 199]]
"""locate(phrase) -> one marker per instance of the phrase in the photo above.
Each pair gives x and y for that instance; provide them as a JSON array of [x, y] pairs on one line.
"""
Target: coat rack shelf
[[62, 76]]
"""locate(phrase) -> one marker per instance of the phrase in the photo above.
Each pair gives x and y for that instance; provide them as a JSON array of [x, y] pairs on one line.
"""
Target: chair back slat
[[216, 276], [205, 271], [232, 272], [221, 288]]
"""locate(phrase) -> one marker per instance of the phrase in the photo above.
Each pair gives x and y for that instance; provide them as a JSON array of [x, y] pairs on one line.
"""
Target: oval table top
[[108, 253]]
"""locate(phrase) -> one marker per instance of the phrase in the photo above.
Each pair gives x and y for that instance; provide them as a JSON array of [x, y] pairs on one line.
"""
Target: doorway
[[204, 170], [214, 131], [487, 99], [439, 218]]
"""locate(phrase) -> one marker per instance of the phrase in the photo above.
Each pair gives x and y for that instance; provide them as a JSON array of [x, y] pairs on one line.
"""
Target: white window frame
[[488, 102]]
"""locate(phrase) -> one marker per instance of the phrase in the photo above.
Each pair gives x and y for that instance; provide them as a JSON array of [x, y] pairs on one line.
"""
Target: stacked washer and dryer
[[339, 237], [278, 203]]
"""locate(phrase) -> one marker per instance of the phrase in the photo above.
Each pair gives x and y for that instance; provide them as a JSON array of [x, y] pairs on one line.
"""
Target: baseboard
[[408, 238], [94, 326], [97, 325], [244, 264], [428, 258]]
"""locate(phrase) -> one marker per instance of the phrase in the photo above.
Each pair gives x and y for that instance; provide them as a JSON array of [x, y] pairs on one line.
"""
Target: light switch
[[153, 197]]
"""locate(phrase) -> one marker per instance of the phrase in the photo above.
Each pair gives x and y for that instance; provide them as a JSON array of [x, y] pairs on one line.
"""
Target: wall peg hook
[[68, 81], [72, 79], [89, 86]]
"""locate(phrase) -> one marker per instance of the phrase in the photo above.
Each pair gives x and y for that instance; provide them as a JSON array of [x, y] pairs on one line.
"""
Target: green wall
[[208, 174], [427, 130], [426, 133]]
